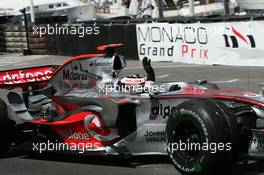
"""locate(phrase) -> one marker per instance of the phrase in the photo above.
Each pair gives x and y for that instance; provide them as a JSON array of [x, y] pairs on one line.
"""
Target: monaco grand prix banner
[[230, 43]]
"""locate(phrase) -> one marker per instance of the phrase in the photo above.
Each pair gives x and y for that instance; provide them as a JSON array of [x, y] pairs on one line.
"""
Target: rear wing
[[109, 49], [25, 77]]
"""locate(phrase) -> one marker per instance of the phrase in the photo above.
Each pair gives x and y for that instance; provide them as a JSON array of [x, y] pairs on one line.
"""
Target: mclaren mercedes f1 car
[[85, 102]]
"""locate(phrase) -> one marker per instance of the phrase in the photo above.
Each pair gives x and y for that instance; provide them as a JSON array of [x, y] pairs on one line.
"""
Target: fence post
[[226, 4], [159, 8], [191, 5]]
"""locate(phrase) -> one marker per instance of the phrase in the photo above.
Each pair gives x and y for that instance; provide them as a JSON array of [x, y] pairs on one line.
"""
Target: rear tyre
[[6, 129], [202, 137]]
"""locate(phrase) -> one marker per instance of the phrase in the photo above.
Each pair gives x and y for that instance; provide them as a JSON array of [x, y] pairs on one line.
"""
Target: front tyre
[[202, 137], [6, 129]]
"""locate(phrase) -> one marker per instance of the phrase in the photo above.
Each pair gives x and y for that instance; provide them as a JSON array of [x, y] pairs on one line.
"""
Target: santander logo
[[25, 75]]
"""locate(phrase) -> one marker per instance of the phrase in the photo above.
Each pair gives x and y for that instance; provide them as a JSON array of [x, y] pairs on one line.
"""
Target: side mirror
[[119, 63]]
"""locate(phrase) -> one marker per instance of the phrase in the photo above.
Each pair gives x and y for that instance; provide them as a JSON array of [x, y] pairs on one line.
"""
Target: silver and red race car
[[84, 106]]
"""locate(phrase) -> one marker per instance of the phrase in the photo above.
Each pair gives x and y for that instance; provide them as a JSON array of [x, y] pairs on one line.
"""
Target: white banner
[[229, 43]]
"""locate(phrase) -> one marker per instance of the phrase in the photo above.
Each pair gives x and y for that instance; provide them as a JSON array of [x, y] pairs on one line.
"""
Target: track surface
[[18, 162]]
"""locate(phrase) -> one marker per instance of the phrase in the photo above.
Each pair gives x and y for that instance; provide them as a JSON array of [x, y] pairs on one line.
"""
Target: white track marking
[[157, 67], [227, 81], [163, 76], [11, 60]]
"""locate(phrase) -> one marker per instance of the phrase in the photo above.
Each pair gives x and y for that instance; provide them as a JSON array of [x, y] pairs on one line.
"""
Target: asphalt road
[[19, 162]]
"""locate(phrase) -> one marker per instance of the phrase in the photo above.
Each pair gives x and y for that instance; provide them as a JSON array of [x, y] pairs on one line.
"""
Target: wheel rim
[[188, 133]]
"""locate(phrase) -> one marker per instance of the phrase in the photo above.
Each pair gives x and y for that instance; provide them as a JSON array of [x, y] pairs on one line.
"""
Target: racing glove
[[149, 70]]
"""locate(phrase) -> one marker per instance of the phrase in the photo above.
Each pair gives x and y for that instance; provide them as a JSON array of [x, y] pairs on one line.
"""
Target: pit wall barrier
[[75, 44], [37, 43], [2, 40], [226, 43], [14, 38]]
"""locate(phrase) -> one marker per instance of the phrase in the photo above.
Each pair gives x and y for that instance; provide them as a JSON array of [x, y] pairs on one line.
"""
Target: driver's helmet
[[131, 82]]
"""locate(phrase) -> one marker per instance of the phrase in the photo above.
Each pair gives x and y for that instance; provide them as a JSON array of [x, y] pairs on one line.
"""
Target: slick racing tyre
[[202, 137], [6, 129]]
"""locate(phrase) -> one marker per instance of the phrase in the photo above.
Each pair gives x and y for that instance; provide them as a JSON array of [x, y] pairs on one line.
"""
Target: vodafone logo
[[25, 76]]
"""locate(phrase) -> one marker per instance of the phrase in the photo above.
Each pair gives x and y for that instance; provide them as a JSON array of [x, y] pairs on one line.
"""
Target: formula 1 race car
[[85, 106]]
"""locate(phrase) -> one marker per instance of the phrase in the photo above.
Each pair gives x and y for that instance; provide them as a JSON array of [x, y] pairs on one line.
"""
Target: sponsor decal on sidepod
[[25, 76]]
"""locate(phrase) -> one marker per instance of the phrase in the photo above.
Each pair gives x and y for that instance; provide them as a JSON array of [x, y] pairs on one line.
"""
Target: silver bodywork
[[85, 79]]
